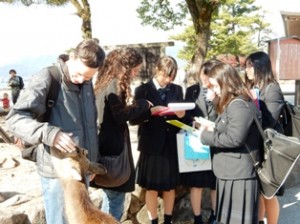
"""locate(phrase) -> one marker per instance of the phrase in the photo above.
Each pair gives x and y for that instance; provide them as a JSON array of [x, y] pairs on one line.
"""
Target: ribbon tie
[[162, 92]]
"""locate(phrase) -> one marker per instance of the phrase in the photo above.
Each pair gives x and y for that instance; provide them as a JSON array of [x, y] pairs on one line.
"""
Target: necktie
[[162, 92]]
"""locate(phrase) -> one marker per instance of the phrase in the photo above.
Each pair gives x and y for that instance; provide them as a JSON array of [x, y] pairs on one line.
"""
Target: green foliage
[[162, 14], [234, 27], [237, 27], [56, 2], [30, 2], [189, 37]]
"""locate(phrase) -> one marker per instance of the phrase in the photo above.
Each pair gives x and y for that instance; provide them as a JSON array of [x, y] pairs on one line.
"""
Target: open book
[[204, 121], [172, 107]]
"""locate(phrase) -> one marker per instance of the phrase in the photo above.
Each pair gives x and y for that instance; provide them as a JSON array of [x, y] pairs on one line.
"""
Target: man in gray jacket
[[72, 120]]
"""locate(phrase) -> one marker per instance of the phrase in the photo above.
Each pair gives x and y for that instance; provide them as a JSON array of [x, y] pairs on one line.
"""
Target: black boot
[[212, 218], [154, 221], [167, 219], [198, 219]]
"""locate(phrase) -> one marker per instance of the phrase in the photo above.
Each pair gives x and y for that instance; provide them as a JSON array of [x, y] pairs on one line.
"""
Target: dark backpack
[[21, 86], [29, 152], [290, 119]]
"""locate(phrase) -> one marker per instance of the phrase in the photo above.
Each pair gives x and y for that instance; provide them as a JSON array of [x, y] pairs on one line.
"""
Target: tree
[[82, 10], [234, 28], [218, 27], [164, 15]]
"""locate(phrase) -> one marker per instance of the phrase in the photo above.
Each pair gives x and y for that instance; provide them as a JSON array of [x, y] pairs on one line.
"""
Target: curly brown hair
[[118, 65]]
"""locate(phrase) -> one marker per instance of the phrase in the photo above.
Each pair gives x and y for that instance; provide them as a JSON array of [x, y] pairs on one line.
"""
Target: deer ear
[[97, 168], [75, 174]]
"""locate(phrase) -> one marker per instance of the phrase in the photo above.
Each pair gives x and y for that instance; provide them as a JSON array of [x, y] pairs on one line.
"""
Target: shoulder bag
[[281, 154], [118, 169]]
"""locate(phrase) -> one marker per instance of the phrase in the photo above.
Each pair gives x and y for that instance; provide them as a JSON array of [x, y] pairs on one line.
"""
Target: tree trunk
[[201, 13], [84, 12]]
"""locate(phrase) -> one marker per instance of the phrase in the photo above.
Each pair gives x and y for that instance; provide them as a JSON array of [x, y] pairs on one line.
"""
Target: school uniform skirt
[[158, 172], [237, 201], [199, 179]]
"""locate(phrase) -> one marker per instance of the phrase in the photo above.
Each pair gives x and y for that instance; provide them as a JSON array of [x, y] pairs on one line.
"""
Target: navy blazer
[[154, 132], [192, 94]]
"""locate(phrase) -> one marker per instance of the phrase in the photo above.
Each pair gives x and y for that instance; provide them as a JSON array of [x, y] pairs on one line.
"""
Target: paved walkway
[[290, 206]]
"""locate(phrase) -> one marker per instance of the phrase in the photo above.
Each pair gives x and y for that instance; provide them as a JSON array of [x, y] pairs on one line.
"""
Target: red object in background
[[5, 103]]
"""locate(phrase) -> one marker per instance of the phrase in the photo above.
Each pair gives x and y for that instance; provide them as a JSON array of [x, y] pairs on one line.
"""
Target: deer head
[[75, 165]]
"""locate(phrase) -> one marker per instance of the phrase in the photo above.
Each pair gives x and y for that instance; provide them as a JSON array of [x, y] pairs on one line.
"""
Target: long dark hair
[[230, 82], [263, 74]]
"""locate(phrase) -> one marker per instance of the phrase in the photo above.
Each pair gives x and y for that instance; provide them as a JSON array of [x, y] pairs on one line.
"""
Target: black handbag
[[280, 155], [118, 169]]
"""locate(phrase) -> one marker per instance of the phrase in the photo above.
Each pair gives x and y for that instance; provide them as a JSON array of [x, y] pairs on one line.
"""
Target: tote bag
[[192, 155]]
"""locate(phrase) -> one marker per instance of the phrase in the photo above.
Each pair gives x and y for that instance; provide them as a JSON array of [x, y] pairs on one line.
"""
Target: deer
[[72, 169]]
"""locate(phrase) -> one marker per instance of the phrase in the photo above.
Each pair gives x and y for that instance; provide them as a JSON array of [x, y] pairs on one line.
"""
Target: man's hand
[[64, 142]]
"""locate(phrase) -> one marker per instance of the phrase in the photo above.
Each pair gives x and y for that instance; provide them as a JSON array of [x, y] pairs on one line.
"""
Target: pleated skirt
[[199, 179], [237, 201], [158, 172]]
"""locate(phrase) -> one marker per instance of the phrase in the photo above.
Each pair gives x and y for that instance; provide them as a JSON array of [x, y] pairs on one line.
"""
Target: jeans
[[113, 203], [53, 200]]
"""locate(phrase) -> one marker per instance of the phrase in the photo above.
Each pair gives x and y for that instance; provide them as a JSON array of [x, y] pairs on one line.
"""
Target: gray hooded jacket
[[74, 112]]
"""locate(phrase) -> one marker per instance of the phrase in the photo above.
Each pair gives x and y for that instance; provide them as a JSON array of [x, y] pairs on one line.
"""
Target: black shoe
[[167, 219], [198, 219], [154, 221], [212, 218], [261, 222]]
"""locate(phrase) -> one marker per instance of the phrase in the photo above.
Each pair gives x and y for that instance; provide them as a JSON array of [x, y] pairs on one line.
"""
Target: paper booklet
[[204, 121], [172, 107]]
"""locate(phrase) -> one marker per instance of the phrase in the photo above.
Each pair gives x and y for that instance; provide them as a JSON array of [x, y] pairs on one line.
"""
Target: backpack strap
[[21, 82], [53, 91]]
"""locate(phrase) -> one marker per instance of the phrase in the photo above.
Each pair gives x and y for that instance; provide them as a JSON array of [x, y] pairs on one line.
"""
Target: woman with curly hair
[[113, 94]]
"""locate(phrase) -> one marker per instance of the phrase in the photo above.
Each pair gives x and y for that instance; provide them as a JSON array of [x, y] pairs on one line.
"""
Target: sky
[[43, 30], [36, 30]]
